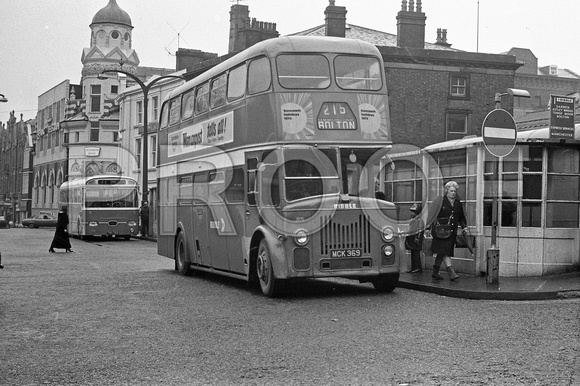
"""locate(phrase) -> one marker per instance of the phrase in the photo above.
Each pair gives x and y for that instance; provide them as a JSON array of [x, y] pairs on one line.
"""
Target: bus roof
[[271, 47]]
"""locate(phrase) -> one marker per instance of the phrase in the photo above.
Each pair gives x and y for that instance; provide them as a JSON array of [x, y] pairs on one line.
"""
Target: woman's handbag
[[465, 240], [443, 231]]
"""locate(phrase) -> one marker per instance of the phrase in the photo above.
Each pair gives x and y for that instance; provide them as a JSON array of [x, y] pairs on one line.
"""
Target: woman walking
[[61, 239], [446, 210]]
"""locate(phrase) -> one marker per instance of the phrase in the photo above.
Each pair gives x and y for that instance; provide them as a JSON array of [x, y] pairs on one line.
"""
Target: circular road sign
[[499, 132]]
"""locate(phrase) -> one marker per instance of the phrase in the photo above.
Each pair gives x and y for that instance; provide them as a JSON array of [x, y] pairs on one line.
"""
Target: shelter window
[[563, 194]]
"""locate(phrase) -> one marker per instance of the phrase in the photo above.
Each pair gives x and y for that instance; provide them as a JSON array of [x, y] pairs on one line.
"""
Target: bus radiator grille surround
[[339, 234]]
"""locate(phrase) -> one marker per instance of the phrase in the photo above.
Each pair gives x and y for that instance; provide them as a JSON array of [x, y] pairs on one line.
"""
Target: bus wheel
[[386, 283], [181, 259], [271, 286]]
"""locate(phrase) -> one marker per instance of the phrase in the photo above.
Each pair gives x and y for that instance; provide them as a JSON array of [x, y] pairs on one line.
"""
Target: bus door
[[200, 221], [184, 215], [252, 218], [234, 197], [219, 221]]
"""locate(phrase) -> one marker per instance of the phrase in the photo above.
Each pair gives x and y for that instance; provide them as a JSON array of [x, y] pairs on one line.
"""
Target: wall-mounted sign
[[561, 116], [92, 151]]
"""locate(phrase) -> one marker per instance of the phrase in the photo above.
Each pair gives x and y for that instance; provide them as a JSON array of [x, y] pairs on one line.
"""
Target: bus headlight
[[132, 223], [93, 223], [301, 237], [388, 234], [388, 250]]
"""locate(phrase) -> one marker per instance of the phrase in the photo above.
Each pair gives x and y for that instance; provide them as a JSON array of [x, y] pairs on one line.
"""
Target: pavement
[[561, 286]]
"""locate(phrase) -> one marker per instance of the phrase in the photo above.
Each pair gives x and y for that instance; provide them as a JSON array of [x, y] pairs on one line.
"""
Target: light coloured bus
[[268, 165], [101, 205]]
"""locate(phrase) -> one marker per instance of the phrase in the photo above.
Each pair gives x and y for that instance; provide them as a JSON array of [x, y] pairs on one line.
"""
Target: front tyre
[[386, 283], [182, 263], [270, 286]]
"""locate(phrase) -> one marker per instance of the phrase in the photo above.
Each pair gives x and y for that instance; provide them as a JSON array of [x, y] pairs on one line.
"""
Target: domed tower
[[111, 42]]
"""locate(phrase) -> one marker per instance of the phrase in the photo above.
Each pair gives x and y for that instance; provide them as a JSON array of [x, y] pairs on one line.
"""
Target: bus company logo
[[345, 206]]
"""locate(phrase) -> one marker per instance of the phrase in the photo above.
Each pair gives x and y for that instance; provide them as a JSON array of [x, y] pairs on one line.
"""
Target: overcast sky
[[41, 41]]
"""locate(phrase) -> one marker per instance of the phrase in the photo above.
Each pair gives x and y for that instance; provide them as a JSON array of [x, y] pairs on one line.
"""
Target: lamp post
[[145, 88], [3, 99]]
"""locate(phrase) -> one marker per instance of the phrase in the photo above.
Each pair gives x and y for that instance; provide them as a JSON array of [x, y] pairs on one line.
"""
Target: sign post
[[561, 117], [499, 136]]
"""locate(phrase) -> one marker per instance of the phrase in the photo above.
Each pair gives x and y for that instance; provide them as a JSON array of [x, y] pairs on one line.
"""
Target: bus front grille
[[345, 235]]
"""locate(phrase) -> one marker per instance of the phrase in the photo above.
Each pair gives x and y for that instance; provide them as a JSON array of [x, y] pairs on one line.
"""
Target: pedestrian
[[61, 238], [144, 213], [414, 240], [446, 214]]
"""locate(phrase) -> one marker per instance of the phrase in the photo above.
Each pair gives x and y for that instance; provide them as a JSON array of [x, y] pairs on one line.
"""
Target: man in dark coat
[[144, 219]]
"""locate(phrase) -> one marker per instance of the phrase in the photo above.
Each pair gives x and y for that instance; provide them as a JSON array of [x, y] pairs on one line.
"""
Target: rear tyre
[[386, 283], [182, 263], [31, 226], [270, 286]]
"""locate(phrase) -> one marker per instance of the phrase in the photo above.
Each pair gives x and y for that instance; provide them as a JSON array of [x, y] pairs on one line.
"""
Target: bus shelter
[[538, 193]]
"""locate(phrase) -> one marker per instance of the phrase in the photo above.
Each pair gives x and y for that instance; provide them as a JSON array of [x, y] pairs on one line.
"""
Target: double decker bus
[[268, 165], [102, 206]]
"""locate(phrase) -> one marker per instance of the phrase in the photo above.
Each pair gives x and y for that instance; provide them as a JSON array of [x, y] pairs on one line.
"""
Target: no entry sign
[[499, 132]]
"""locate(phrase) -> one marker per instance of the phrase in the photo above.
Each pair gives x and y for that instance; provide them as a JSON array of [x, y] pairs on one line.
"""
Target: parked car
[[3, 222], [40, 220]]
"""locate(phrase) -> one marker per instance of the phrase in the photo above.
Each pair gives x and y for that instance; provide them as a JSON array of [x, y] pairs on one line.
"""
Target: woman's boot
[[436, 264], [452, 275], [435, 275]]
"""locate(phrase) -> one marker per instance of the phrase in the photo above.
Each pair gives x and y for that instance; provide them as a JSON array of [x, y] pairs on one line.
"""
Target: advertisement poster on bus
[[211, 133]]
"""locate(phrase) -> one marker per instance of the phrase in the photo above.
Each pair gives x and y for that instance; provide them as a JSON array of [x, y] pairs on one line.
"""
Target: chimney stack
[[411, 25], [442, 38], [335, 20]]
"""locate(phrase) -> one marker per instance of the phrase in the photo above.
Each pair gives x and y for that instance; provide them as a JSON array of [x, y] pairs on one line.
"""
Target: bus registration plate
[[338, 253]]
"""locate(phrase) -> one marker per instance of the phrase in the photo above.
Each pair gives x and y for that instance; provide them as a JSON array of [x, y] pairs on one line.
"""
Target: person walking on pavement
[[144, 213], [61, 238], [414, 240], [446, 210]]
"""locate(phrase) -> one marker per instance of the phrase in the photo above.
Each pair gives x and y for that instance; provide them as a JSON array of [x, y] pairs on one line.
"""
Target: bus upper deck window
[[218, 91], [358, 72], [303, 71], [164, 120], [259, 76], [187, 103], [237, 82], [202, 98], [175, 111]]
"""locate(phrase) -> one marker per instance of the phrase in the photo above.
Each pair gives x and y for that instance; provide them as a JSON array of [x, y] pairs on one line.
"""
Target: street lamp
[[3, 99], [145, 88]]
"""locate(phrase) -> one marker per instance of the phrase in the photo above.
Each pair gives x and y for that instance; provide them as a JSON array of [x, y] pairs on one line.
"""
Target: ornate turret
[[111, 42]]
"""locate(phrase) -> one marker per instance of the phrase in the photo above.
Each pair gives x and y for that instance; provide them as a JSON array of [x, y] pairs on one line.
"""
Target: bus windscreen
[[111, 198]]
